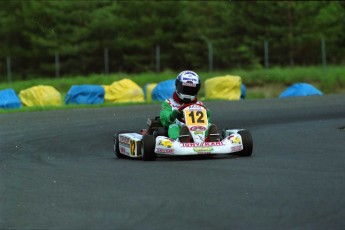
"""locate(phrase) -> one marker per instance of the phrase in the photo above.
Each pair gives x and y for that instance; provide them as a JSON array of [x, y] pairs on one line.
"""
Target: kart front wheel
[[148, 148], [247, 141]]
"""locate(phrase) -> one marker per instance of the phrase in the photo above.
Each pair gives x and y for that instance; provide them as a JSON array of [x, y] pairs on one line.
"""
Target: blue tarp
[[243, 91], [9, 99], [163, 90], [85, 94], [300, 89]]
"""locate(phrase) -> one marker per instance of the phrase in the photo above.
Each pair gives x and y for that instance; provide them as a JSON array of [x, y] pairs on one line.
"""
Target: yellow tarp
[[149, 88], [124, 90], [224, 87], [41, 95]]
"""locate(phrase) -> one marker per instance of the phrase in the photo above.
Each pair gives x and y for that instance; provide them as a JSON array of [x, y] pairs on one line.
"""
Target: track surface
[[58, 170]]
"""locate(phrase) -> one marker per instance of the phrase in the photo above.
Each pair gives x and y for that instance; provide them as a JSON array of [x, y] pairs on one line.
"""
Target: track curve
[[58, 170]]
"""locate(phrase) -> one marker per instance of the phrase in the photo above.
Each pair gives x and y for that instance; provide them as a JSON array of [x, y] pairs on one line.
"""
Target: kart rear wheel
[[247, 141], [148, 148], [116, 145]]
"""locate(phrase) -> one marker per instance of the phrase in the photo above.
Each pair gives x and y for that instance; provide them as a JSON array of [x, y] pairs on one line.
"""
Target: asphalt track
[[58, 171]]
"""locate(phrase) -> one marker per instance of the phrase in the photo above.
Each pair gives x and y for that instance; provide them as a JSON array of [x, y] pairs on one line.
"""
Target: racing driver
[[187, 86]]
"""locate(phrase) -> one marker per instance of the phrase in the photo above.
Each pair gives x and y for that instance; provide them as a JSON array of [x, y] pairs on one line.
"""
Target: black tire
[[247, 141], [148, 148], [116, 145]]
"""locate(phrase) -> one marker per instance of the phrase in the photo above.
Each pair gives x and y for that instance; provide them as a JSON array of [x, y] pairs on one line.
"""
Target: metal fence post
[[9, 70], [210, 57], [266, 54], [57, 65], [158, 59], [323, 53], [106, 61]]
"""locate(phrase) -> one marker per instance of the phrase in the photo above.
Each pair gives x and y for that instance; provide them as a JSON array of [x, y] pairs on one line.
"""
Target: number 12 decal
[[132, 148], [199, 115], [196, 117]]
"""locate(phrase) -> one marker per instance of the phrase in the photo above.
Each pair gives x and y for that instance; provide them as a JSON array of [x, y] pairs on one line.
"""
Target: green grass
[[260, 83], [63, 107]]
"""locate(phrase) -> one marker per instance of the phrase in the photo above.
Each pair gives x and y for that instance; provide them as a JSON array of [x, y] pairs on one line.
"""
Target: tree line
[[33, 33]]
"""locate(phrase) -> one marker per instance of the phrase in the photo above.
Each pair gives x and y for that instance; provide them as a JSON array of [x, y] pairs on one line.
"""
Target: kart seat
[[156, 128], [161, 131]]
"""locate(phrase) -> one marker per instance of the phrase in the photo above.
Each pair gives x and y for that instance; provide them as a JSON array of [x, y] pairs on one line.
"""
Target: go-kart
[[154, 140]]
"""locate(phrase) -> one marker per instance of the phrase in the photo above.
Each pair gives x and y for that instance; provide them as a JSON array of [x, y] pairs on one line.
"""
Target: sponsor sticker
[[198, 132], [162, 150], [203, 149], [165, 142], [197, 106], [132, 148], [229, 137], [234, 139], [219, 143], [124, 140], [122, 150], [189, 84], [190, 79], [198, 128], [236, 148]]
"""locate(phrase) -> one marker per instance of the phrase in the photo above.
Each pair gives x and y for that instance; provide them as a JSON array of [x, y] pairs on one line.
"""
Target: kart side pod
[[247, 140]]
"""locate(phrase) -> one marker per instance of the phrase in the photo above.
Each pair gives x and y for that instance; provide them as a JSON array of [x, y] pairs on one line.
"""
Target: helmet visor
[[188, 88]]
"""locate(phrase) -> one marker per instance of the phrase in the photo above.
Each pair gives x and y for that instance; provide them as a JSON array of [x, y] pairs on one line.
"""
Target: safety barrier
[[226, 87]]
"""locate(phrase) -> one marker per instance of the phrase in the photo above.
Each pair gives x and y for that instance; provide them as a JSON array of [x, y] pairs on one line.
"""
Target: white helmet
[[187, 85]]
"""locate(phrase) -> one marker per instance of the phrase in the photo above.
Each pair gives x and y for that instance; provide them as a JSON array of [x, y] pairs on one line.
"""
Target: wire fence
[[106, 59]]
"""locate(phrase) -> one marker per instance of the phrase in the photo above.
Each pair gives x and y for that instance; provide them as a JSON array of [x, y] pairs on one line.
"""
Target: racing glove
[[175, 114]]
